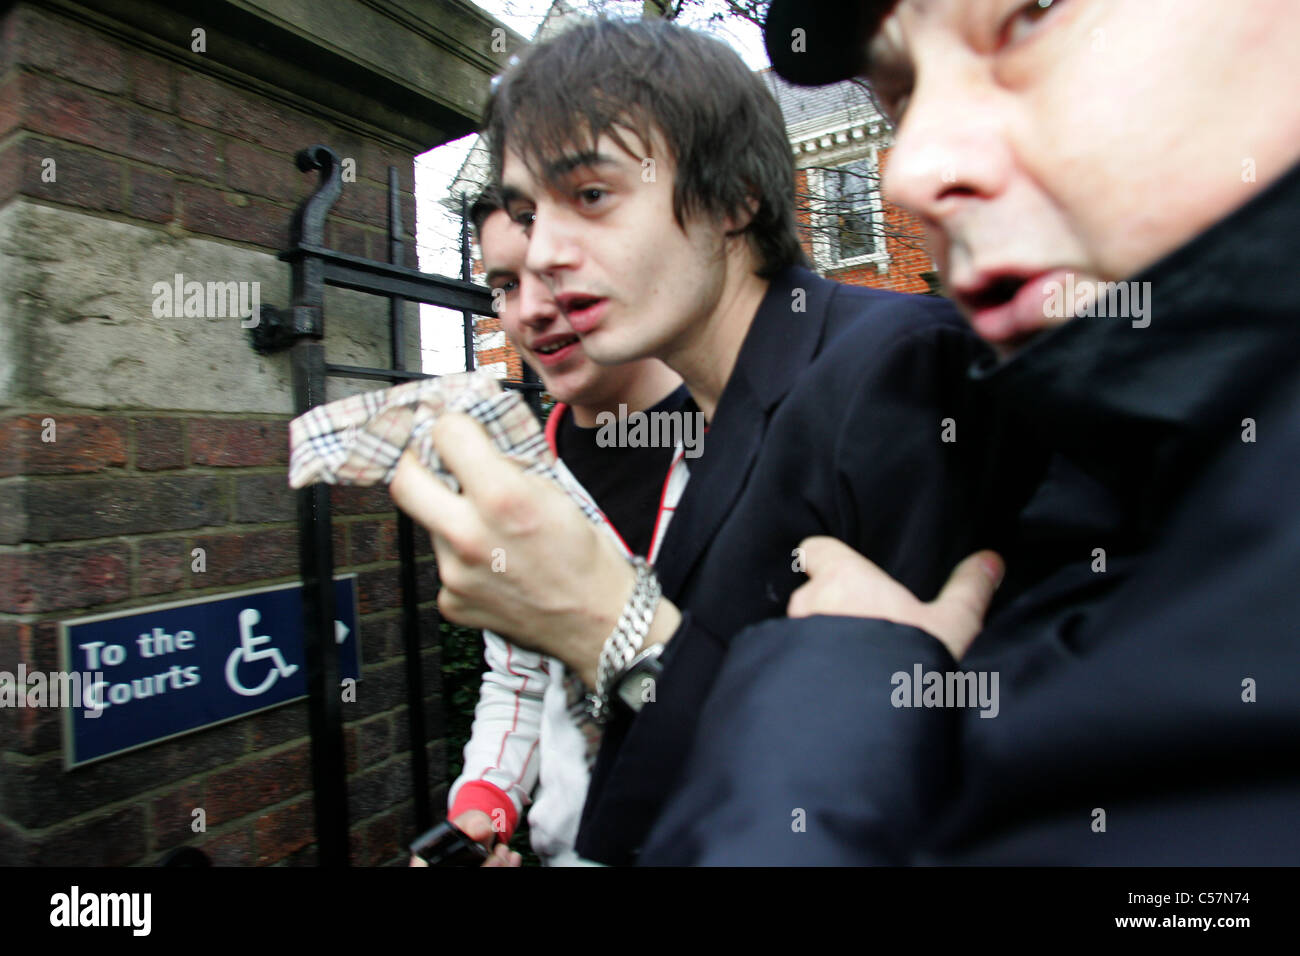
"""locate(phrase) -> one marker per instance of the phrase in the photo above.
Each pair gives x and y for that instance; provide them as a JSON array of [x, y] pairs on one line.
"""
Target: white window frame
[[825, 255]]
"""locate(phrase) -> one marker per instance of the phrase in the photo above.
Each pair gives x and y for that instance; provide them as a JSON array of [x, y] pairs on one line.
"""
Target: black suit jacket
[[833, 422]]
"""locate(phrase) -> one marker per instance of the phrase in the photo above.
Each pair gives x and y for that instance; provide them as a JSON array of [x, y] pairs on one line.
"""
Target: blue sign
[[175, 668]]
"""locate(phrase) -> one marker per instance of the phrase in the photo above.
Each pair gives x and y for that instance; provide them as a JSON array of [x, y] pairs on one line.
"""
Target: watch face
[[638, 688]]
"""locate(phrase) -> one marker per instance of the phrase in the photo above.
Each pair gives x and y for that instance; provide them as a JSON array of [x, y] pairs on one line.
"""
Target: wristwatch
[[623, 647], [636, 685]]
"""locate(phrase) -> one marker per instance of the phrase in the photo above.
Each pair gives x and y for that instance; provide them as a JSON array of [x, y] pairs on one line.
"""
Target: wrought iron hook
[[308, 226]]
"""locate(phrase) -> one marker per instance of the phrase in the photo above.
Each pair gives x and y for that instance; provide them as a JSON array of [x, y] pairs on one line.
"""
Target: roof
[[808, 109]]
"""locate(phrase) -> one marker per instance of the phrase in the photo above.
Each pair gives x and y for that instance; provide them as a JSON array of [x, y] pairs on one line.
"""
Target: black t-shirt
[[626, 482]]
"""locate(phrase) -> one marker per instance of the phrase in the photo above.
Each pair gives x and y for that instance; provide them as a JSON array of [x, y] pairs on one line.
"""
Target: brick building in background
[[139, 140], [841, 146]]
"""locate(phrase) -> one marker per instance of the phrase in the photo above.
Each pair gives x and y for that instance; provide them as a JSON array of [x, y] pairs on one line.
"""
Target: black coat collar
[[1139, 407], [782, 340]]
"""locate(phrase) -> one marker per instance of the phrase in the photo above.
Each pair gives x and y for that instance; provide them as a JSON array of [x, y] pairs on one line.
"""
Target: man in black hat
[[1112, 200]]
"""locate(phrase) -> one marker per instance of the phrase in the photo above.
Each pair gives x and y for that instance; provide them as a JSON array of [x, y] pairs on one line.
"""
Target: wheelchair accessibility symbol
[[249, 651]]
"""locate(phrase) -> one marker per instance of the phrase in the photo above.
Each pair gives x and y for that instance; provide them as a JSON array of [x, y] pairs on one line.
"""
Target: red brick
[[172, 818], [82, 443], [151, 196], [382, 687], [31, 730], [408, 219], [264, 780], [364, 203], [381, 636], [13, 511], [250, 556], [353, 500], [349, 146], [350, 734], [10, 24], [68, 50], [278, 726], [339, 542], [374, 541], [159, 443], [261, 172], [282, 831], [304, 857], [16, 847], [9, 646], [163, 566], [378, 788], [374, 741], [50, 579], [227, 443], [69, 112], [153, 81], [35, 644], [352, 239], [383, 840], [265, 498], [378, 590], [114, 838], [81, 178], [38, 794], [423, 543], [219, 106], [375, 160], [161, 141], [11, 94], [78, 508], [233, 848], [216, 212]]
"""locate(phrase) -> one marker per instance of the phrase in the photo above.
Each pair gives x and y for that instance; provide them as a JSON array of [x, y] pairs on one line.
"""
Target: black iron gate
[[301, 329]]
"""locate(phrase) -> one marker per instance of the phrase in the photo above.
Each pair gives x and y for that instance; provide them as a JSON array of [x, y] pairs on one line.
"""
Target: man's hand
[[515, 555], [477, 825], [843, 582]]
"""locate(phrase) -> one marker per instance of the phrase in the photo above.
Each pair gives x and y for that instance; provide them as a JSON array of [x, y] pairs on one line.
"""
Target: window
[[848, 218], [850, 210]]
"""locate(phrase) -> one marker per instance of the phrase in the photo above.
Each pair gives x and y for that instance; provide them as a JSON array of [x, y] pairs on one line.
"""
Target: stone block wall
[[131, 442]]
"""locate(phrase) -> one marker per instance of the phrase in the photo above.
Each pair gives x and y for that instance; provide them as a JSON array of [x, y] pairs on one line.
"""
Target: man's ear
[[738, 221]]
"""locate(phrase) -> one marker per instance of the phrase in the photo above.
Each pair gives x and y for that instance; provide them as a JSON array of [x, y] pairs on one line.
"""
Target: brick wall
[[109, 516], [151, 139], [106, 517], [486, 329]]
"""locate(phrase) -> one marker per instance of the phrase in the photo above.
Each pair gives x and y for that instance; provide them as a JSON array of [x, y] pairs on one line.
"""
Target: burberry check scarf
[[359, 441]]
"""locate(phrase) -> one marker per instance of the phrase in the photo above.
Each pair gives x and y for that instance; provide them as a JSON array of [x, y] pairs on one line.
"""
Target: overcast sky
[[437, 239]]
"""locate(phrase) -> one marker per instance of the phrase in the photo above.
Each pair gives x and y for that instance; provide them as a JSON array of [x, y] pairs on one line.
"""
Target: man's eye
[[591, 195], [525, 217], [508, 285], [1023, 21]]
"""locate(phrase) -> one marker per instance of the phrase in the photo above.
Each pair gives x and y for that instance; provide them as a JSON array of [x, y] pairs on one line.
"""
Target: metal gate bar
[[301, 329]]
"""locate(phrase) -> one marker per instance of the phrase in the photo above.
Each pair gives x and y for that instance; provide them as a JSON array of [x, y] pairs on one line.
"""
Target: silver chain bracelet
[[625, 642]]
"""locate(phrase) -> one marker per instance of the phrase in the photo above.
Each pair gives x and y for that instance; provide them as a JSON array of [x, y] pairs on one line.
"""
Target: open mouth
[[583, 311], [993, 294], [1007, 309], [550, 348]]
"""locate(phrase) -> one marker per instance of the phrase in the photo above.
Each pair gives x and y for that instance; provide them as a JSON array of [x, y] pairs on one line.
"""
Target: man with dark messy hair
[[653, 174], [627, 80]]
